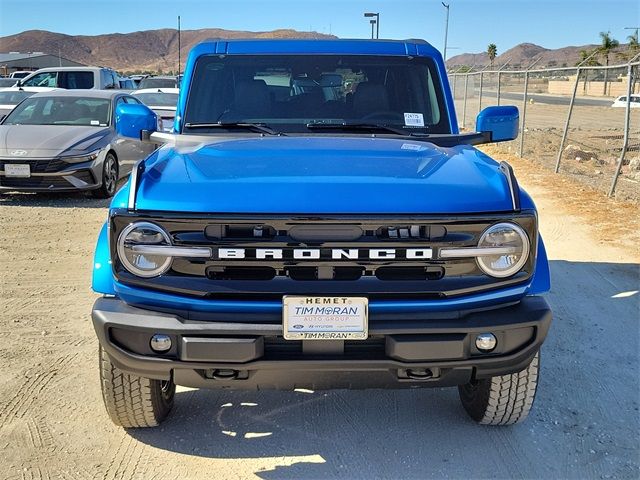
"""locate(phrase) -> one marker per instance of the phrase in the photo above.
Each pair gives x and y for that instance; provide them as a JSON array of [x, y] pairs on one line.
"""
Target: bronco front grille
[[277, 255]]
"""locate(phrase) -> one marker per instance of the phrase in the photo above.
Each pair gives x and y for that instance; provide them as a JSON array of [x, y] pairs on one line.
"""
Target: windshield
[[13, 97], [157, 83], [292, 91], [61, 111], [158, 99]]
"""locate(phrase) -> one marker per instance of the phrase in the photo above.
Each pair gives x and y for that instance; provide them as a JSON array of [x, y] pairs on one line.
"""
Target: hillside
[[526, 53], [155, 50], [147, 50]]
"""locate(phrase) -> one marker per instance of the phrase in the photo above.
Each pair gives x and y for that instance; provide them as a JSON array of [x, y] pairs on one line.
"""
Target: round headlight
[[143, 264], [513, 242]]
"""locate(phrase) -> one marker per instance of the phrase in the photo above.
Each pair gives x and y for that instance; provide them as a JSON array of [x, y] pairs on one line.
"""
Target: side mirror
[[132, 119], [500, 123]]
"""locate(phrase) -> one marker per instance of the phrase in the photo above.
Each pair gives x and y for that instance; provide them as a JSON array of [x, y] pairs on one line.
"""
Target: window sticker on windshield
[[95, 122], [413, 119]]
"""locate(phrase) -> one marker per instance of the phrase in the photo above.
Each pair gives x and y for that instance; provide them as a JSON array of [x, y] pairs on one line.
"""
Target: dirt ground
[[596, 132], [585, 423]]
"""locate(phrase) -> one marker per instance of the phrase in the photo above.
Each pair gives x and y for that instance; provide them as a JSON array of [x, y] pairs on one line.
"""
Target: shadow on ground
[[584, 424]]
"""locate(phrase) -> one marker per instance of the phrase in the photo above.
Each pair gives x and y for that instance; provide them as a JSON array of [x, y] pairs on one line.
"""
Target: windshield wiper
[[371, 127], [256, 127]]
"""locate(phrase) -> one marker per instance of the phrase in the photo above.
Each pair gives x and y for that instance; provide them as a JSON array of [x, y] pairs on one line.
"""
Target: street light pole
[[446, 31], [375, 22], [635, 29]]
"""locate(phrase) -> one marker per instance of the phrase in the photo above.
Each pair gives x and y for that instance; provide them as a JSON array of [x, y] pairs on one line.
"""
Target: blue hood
[[322, 175]]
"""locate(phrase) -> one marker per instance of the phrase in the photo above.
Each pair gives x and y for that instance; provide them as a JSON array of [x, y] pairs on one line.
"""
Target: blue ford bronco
[[316, 220]]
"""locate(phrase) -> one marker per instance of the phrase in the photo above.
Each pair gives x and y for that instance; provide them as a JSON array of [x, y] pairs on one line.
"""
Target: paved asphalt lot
[[585, 423]]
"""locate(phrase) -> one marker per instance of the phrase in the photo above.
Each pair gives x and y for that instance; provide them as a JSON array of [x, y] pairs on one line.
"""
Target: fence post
[[625, 142], [498, 89], [524, 111], [480, 97], [566, 125], [464, 102], [453, 87]]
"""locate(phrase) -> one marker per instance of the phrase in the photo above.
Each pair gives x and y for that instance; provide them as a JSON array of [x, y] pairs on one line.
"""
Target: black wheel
[[132, 401], [501, 400], [109, 177]]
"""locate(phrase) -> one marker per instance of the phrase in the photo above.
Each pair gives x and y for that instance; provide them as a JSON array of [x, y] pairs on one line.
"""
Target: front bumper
[[399, 353], [71, 182], [67, 177]]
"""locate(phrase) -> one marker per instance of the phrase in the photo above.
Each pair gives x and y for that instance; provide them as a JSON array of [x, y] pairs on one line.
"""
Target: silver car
[[67, 141], [10, 97], [163, 101]]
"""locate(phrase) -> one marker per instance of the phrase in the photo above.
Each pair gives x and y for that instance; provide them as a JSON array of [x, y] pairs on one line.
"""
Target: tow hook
[[419, 373], [224, 374]]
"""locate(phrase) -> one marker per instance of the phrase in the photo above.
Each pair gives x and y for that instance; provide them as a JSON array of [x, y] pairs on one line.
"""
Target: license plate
[[325, 318], [17, 170]]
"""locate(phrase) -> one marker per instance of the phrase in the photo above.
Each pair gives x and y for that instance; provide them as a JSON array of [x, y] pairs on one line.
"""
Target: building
[[13, 61]]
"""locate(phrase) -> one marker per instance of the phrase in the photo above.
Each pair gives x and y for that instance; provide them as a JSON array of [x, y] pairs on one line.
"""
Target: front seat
[[252, 99], [370, 98]]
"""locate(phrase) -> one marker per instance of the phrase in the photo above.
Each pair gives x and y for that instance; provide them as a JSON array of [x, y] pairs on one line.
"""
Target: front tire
[[132, 401], [110, 173], [502, 400]]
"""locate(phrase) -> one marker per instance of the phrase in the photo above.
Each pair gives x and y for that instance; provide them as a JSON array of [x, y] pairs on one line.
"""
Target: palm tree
[[592, 62], [608, 43], [633, 42], [587, 58], [492, 51]]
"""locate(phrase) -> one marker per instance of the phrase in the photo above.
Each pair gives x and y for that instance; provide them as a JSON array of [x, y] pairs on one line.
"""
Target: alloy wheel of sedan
[[109, 177], [110, 174]]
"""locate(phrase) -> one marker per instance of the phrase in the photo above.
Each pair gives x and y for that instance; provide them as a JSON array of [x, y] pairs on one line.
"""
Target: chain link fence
[[581, 121]]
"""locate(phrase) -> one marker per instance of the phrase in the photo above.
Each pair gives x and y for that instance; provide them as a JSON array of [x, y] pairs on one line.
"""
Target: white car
[[163, 101], [20, 73], [12, 96], [621, 102], [72, 78]]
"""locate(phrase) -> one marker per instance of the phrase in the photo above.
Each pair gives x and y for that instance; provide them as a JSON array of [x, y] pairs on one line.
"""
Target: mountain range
[[157, 50], [151, 50], [525, 54]]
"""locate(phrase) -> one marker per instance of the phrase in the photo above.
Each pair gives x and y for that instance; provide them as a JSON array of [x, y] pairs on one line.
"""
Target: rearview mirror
[[500, 122], [132, 119]]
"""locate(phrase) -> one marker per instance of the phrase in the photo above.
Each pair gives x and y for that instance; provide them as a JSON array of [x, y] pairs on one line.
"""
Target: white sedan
[[621, 102], [12, 96], [163, 101]]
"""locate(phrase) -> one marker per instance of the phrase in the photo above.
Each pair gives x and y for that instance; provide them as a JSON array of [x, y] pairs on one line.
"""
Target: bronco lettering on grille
[[318, 253]]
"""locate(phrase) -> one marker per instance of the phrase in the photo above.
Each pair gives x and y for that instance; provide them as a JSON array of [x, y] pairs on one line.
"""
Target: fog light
[[160, 343], [486, 342]]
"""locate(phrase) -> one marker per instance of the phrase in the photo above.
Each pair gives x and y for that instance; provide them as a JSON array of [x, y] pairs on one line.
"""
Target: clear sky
[[473, 24]]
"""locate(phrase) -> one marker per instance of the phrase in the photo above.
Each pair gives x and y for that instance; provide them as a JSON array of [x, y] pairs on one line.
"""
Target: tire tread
[[503, 399], [131, 401]]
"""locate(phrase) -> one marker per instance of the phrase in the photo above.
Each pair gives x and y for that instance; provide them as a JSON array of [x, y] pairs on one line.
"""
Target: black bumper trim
[[533, 313]]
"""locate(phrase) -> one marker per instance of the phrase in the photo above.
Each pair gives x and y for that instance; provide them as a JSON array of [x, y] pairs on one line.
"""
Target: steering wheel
[[384, 115]]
